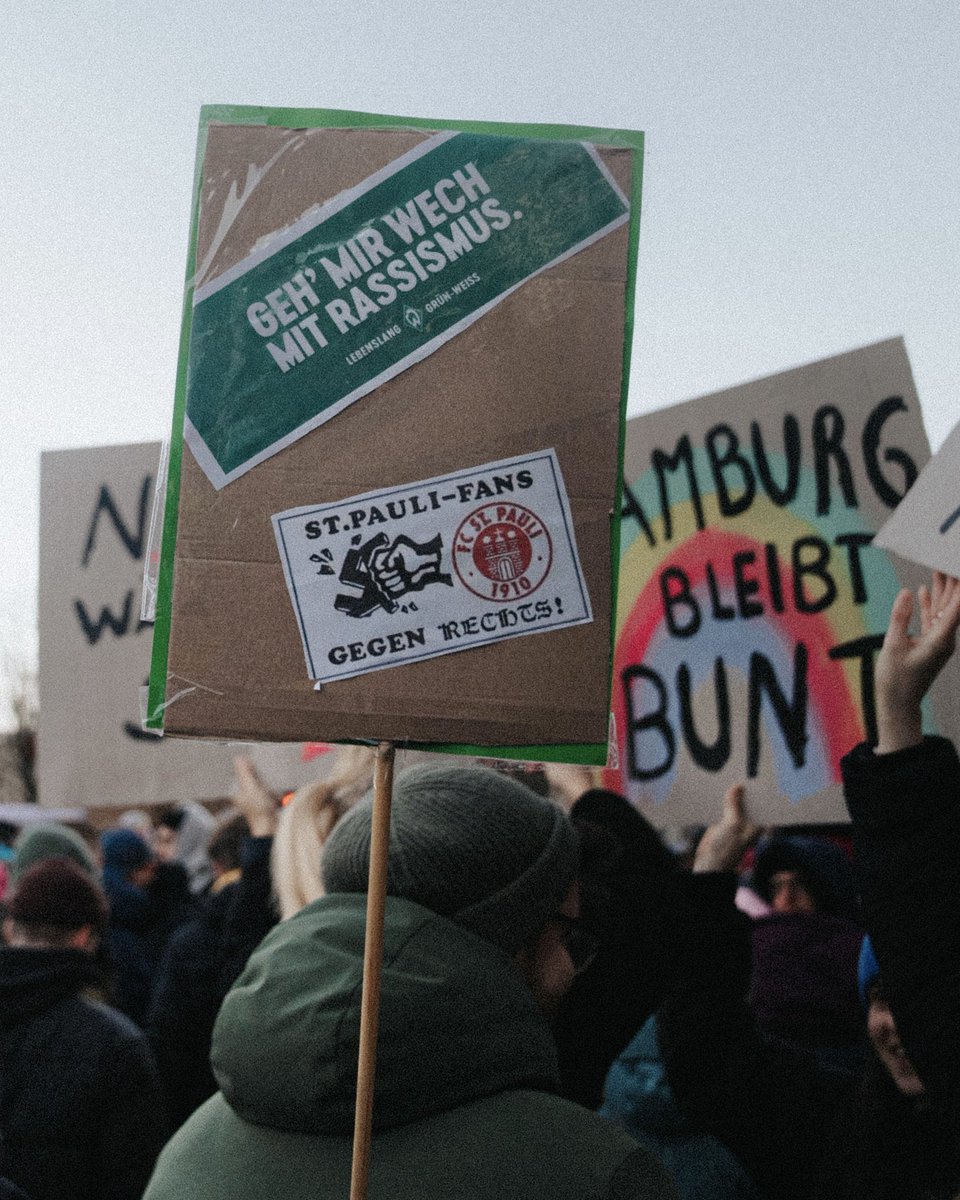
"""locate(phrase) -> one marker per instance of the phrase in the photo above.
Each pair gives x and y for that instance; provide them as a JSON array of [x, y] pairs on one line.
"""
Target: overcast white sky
[[801, 190]]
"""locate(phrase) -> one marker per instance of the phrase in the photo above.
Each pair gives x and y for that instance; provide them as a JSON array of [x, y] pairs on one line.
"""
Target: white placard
[[95, 649], [433, 567], [925, 525]]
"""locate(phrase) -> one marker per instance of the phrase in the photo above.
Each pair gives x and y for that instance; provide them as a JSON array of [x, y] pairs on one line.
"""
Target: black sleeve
[[627, 884], [180, 1022], [251, 915], [171, 904], [768, 1106], [905, 809], [132, 1128]]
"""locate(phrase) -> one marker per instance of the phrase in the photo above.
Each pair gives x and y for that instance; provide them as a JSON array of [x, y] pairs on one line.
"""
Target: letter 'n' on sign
[[106, 507]]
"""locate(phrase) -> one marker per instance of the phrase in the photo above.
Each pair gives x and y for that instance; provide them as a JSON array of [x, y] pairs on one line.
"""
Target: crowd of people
[[568, 1007]]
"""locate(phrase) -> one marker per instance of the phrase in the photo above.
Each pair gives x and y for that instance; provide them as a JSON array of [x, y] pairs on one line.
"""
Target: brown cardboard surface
[[540, 370], [846, 390]]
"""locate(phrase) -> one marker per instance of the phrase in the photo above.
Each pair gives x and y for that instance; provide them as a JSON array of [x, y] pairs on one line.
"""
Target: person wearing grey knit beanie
[[484, 851], [469, 844], [481, 939], [51, 840]]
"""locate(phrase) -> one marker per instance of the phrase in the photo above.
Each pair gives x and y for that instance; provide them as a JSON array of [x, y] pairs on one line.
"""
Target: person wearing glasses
[[482, 939]]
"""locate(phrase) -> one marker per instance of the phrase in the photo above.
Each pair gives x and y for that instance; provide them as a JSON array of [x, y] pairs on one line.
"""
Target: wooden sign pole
[[372, 963]]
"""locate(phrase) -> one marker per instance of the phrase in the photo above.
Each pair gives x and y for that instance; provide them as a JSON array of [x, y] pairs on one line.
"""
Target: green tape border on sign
[[587, 754]]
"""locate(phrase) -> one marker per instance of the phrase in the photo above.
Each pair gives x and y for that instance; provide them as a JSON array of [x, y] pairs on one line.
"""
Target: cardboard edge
[[584, 753], [156, 687]]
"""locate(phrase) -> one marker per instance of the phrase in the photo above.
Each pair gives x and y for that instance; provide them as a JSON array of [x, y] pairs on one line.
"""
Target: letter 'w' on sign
[[378, 278]]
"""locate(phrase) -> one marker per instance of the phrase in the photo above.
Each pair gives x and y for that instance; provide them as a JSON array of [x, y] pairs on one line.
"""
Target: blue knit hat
[[124, 851]]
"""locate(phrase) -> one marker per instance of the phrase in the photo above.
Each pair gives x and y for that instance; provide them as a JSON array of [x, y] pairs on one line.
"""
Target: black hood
[[31, 981], [825, 870]]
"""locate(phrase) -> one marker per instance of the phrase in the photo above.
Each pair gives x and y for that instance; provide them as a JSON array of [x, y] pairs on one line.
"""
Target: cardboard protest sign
[[379, 309], [753, 602], [925, 528], [95, 652]]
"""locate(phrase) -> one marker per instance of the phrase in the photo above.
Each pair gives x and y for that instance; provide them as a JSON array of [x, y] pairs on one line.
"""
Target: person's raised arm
[[254, 799], [907, 664], [904, 801], [251, 915], [723, 844]]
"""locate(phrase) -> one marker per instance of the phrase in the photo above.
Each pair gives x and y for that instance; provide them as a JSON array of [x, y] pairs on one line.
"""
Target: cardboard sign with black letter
[[753, 601], [95, 651]]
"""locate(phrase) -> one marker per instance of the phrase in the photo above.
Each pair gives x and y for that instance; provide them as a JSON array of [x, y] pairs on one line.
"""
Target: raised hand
[[723, 844], [907, 665], [253, 798]]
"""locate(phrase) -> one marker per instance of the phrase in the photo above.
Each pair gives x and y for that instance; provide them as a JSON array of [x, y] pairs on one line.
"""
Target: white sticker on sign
[[433, 567]]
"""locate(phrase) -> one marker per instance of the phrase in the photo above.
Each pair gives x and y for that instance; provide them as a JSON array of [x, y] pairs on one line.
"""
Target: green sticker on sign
[[376, 280]]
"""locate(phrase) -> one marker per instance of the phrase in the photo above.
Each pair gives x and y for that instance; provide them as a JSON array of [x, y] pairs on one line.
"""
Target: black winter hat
[[469, 844], [825, 870], [57, 892]]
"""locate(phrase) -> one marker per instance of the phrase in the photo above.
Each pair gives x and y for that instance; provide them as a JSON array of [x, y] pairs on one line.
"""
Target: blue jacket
[[637, 1097]]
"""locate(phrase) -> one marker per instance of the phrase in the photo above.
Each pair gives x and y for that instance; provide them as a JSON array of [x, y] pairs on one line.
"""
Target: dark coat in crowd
[[888, 1146], [905, 809], [142, 919], [80, 1104], [203, 959], [768, 1103], [251, 914], [184, 1007], [627, 884]]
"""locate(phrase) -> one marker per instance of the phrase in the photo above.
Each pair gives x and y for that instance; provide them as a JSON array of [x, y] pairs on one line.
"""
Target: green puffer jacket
[[463, 1061]]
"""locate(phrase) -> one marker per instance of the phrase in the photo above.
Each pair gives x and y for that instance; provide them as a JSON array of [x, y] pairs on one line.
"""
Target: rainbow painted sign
[[752, 603]]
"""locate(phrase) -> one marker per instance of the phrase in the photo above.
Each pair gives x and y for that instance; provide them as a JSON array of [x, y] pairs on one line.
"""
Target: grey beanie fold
[[469, 844], [51, 840]]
